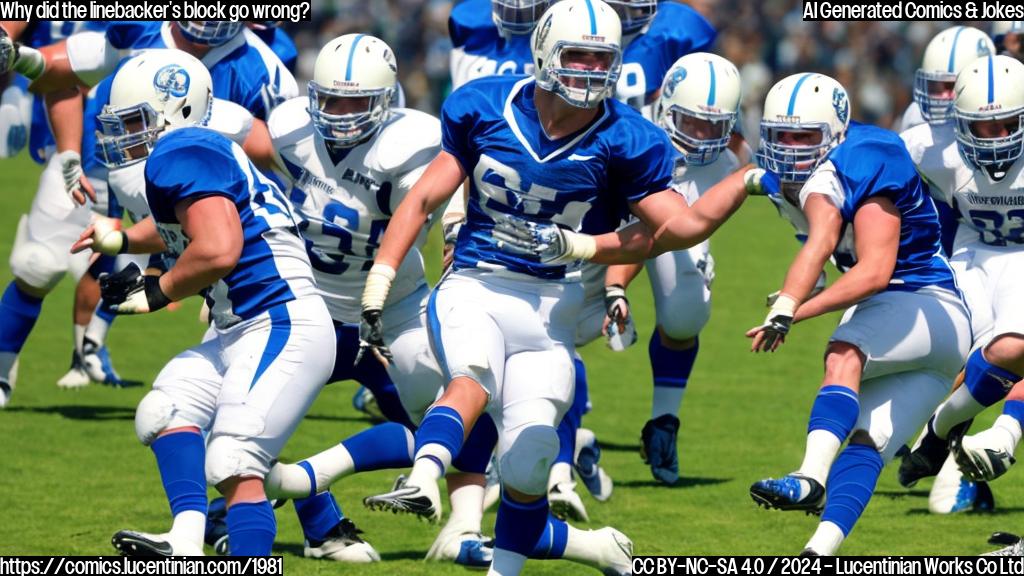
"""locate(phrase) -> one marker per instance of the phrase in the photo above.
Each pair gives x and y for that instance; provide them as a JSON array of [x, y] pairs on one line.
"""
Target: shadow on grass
[[80, 412], [682, 483], [294, 549], [613, 447], [902, 493], [332, 418]]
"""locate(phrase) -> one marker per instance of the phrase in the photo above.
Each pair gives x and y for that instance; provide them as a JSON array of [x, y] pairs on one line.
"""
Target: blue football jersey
[[282, 45], [873, 162], [677, 30], [490, 125], [479, 49], [38, 34], [244, 71], [193, 163]]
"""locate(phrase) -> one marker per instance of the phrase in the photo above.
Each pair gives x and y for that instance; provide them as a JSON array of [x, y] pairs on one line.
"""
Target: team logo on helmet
[[172, 80], [677, 76], [983, 49], [542, 34], [841, 104]]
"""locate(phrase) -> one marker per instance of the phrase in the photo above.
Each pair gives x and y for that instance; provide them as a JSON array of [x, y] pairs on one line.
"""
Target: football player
[[1006, 34], [977, 175], [905, 332], [539, 150], [234, 239]]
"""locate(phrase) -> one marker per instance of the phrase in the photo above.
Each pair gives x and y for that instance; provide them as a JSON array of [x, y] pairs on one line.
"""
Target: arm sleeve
[[644, 164], [824, 181], [457, 120], [192, 166], [92, 56]]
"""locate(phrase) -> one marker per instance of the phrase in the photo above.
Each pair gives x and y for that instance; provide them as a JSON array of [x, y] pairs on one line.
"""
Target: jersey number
[[335, 263], [993, 226]]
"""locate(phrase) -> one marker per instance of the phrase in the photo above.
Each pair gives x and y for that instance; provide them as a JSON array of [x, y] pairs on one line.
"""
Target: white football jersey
[[992, 211], [345, 201]]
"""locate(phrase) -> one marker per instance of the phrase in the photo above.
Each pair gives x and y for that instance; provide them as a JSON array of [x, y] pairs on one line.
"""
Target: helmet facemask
[[794, 151], [209, 32], [933, 92], [517, 16], [990, 141], [700, 136], [347, 117], [582, 73], [127, 135], [634, 14]]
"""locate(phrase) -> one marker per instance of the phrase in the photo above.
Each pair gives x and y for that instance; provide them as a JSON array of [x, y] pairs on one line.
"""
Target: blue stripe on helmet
[[593, 18], [952, 51], [711, 90], [351, 55], [792, 97], [991, 81]]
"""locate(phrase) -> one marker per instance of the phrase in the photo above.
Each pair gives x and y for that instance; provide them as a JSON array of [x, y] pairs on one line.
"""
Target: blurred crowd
[[767, 40]]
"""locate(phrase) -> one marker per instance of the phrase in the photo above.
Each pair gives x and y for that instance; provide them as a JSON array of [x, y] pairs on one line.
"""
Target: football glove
[[75, 183], [131, 292], [772, 333], [8, 52], [617, 313], [548, 242], [371, 337]]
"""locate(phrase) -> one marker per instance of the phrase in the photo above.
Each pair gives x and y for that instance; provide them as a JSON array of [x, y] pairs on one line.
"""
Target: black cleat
[[784, 494]]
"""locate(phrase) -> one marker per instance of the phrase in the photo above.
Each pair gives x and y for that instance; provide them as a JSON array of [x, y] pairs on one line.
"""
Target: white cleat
[[463, 545], [565, 503], [404, 498], [75, 378], [614, 556], [343, 545], [986, 455], [132, 543], [5, 393]]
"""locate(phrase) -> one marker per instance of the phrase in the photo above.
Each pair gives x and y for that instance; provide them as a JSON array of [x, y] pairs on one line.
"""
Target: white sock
[[330, 466], [467, 503], [97, 330], [190, 525], [560, 472], [506, 563], [584, 437], [425, 466], [827, 539], [821, 451], [959, 407], [1012, 427], [79, 332], [292, 480], [666, 401]]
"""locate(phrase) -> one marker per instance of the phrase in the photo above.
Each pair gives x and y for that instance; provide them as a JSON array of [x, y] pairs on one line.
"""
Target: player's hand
[[104, 236], [772, 333], [550, 243], [451, 234], [75, 182], [618, 324], [131, 292], [8, 52], [371, 337]]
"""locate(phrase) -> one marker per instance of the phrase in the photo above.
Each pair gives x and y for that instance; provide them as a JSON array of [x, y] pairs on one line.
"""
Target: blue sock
[[181, 459], [835, 410], [442, 426], [251, 528], [476, 451], [988, 383], [671, 368], [1015, 409], [103, 311], [850, 485], [573, 419], [318, 515], [519, 526], [552, 542], [381, 447], [18, 314]]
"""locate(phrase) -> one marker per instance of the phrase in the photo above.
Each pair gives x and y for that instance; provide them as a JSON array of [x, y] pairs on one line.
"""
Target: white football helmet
[[1000, 28], [152, 94], [209, 32], [517, 16], [945, 56], [634, 14], [698, 106], [577, 51], [806, 105], [990, 89], [358, 67]]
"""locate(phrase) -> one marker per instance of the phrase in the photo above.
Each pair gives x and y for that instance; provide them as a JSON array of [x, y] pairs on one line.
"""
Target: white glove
[[549, 242], [752, 181], [617, 312], [8, 52], [75, 183]]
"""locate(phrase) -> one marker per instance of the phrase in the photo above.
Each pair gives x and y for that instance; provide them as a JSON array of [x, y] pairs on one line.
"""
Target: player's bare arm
[[215, 244]]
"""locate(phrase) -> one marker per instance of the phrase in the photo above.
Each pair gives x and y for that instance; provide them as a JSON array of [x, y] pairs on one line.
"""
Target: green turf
[[72, 471]]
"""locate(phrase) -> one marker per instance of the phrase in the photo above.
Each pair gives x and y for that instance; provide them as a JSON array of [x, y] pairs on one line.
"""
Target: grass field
[[72, 471]]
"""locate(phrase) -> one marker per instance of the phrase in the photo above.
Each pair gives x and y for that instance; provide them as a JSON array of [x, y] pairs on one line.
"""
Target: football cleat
[[952, 492], [76, 376], [986, 455], [364, 401], [216, 535], [785, 493], [566, 504], [131, 543], [597, 481], [614, 557], [927, 456], [1011, 549], [97, 364], [463, 545], [808, 553], [659, 448], [343, 544], [422, 501], [5, 393]]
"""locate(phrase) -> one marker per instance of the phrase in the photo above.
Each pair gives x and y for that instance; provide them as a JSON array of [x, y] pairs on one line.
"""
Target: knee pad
[[35, 263], [235, 447], [526, 464], [154, 414]]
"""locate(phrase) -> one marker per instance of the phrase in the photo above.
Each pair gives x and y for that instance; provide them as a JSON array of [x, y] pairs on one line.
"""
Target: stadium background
[[72, 472]]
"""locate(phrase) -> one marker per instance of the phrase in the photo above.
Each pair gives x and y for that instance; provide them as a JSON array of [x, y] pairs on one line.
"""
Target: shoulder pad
[[408, 140], [231, 120], [290, 122]]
